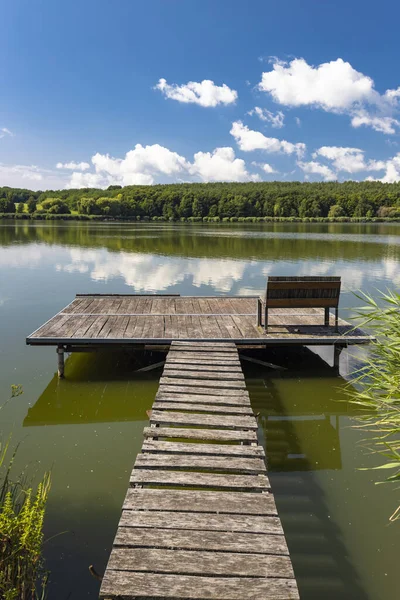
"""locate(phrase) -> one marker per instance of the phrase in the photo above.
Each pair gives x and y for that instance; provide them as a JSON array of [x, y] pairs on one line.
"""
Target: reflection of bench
[[300, 292]]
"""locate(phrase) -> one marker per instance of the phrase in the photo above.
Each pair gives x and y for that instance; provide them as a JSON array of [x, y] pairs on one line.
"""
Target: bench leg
[[266, 320], [259, 311], [327, 317], [336, 319]]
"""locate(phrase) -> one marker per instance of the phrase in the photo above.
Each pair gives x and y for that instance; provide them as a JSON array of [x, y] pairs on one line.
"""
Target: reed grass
[[377, 384], [22, 511]]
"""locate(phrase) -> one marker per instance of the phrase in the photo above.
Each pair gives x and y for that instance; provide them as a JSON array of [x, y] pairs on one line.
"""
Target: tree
[[31, 204], [20, 208], [335, 211]]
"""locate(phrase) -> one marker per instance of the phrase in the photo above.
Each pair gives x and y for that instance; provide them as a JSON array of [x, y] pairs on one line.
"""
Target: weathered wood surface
[[183, 366], [121, 584], [102, 319], [207, 449], [208, 408], [199, 480], [239, 503], [159, 417], [200, 389], [213, 375], [199, 520], [230, 541], [201, 563], [210, 399], [208, 463], [205, 383], [218, 435]]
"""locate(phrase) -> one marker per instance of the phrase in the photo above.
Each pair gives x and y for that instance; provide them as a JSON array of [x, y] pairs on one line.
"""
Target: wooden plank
[[223, 347], [52, 328], [201, 540], [212, 383], [204, 521], [304, 285], [84, 326], [208, 463], [155, 446], [203, 420], [247, 326], [301, 302], [200, 389], [231, 326], [204, 357], [122, 584], [203, 399], [238, 503], [95, 329], [218, 435], [198, 480], [207, 408], [185, 373], [119, 327], [130, 328], [209, 367], [199, 562]]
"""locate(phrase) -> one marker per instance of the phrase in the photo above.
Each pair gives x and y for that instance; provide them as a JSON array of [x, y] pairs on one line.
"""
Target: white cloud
[[382, 124], [73, 166], [332, 86], [276, 119], [31, 177], [220, 165], [392, 168], [315, 168], [351, 160], [265, 167], [89, 180], [249, 140], [139, 167], [335, 87], [205, 93], [298, 121], [145, 164], [4, 131]]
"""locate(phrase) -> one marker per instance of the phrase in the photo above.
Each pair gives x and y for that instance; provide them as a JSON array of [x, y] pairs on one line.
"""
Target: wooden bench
[[300, 292]]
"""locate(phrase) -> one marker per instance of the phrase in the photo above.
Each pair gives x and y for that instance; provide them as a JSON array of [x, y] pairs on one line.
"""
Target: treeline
[[212, 201]]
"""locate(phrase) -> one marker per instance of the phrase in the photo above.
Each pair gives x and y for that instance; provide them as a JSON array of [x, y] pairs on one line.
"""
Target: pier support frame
[[61, 361], [337, 350]]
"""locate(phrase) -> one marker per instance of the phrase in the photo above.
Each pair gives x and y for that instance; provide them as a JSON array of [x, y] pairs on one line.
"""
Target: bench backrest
[[309, 292]]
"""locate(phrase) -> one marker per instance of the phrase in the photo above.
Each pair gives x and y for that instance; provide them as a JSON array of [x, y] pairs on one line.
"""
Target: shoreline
[[192, 220]]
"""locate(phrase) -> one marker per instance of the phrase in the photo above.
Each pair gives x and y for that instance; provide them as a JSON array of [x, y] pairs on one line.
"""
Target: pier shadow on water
[[301, 412]]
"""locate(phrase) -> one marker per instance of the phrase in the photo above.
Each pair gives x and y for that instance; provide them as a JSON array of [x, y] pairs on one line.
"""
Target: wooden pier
[[96, 321], [199, 520]]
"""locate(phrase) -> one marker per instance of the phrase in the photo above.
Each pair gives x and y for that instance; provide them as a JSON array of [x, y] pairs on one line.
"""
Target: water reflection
[[301, 413], [100, 388]]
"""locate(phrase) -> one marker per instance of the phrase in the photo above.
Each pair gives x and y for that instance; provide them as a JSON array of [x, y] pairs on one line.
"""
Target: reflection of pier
[[300, 424]]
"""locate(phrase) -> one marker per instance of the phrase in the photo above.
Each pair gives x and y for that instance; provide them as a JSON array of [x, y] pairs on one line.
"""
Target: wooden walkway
[[101, 320], [199, 520]]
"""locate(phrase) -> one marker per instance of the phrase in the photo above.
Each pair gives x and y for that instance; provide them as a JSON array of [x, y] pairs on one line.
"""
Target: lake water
[[88, 428]]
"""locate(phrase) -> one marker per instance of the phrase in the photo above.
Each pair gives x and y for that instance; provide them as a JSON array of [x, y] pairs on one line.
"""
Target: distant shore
[[214, 220]]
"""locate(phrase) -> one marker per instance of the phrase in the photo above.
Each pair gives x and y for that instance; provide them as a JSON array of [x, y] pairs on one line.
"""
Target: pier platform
[[126, 320]]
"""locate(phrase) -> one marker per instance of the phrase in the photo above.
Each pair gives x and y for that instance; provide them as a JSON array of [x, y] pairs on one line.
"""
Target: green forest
[[210, 202]]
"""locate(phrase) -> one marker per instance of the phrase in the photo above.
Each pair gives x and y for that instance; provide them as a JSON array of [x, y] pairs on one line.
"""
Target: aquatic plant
[[22, 510], [377, 383]]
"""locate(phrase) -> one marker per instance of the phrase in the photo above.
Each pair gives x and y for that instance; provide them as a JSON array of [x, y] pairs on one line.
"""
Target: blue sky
[[98, 92]]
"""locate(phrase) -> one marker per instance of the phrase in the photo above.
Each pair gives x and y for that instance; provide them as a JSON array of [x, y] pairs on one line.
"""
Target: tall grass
[[22, 510], [377, 390]]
